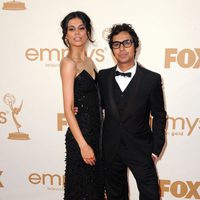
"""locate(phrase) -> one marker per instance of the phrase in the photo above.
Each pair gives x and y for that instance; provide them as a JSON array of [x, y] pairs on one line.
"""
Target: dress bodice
[[86, 98]]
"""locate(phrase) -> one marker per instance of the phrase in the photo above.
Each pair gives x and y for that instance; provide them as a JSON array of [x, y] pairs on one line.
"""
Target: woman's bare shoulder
[[66, 61], [67, 65]]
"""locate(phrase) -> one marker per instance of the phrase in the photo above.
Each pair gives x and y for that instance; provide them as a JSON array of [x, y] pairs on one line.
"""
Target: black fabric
[[144, 97], [82, 181], [121, 97]]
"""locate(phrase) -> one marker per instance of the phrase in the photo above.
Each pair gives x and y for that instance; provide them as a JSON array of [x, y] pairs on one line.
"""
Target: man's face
[[124, 55]]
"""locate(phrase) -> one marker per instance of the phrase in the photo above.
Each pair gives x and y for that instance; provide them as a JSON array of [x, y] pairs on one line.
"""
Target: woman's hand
[[88, 155]]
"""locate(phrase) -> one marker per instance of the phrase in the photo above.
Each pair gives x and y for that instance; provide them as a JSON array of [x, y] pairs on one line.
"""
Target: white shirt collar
[[132, 70], [124, 81]]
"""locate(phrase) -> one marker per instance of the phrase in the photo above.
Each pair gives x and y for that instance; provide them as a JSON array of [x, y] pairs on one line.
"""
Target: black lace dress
[[82, 181]]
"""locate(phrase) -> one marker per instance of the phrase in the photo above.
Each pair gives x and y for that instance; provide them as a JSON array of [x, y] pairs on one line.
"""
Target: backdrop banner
[[32, 123]]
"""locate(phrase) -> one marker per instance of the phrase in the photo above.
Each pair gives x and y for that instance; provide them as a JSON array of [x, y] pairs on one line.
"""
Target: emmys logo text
[[185, 58], [182, 126], [180, 189], [52, 181], [176, 126], [55, 55], [1, 185], [61, 122], [3, 119]]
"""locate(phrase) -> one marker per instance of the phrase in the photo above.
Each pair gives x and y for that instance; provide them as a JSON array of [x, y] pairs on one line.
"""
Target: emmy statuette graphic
[[105, 33], [9, 100], [14, 5]]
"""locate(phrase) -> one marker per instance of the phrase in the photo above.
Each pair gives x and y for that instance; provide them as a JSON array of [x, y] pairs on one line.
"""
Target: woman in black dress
[[83, 174]]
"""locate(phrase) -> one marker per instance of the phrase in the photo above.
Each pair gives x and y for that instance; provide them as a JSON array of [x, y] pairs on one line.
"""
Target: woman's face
[[76, 32]]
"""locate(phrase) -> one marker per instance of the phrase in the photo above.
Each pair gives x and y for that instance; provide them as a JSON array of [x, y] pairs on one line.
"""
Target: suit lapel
[[111, 81]]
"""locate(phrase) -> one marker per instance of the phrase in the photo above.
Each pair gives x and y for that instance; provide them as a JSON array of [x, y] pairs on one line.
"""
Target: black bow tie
[[117, 73]]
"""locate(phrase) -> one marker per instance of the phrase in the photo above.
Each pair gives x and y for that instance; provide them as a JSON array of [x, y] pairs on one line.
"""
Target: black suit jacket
[[132, 126]]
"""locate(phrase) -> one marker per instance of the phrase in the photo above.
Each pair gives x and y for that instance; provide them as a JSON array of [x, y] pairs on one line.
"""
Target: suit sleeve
[[159, 117]]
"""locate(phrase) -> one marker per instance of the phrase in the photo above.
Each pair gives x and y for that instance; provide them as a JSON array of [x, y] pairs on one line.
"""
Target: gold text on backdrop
[[185, 58], [55, 54], [52, 179], [61, 121], [180, 189], [182, 125], [3, 119]]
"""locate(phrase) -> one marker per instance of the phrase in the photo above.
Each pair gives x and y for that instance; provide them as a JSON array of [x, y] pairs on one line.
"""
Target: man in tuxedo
[[131, 95]]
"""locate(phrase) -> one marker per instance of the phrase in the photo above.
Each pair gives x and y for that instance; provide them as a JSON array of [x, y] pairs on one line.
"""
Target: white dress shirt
[[123, 81]]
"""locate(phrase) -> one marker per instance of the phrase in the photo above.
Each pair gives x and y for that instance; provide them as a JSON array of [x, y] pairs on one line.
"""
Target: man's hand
[[75, 110], [154, 158]]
